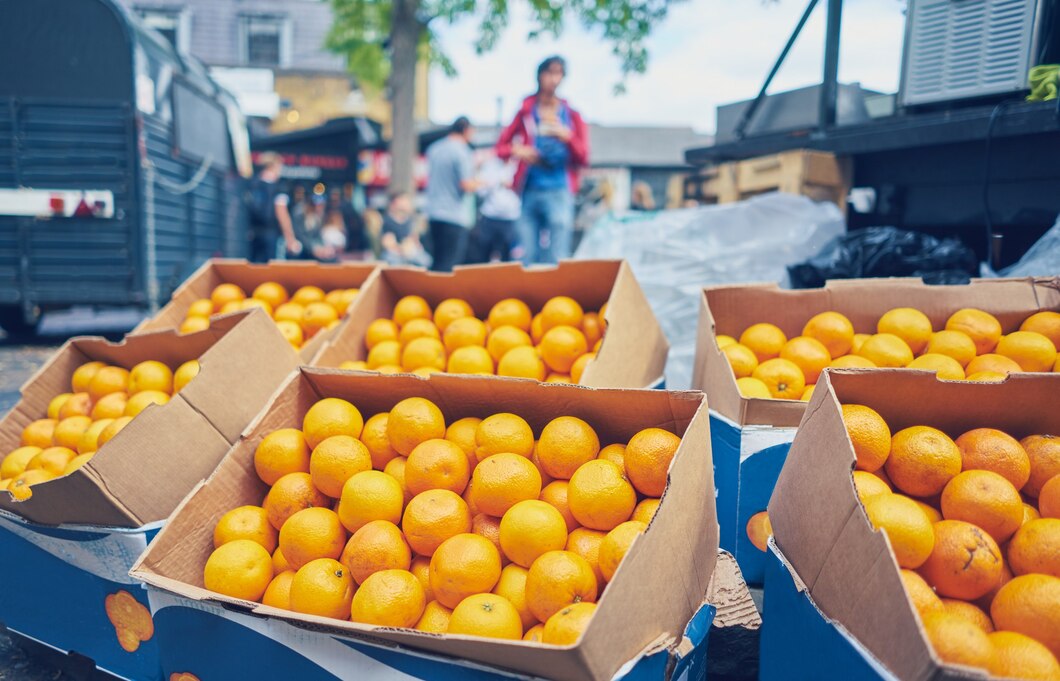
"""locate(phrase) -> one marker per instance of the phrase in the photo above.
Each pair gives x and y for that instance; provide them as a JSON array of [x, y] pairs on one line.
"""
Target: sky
[[706, 53]]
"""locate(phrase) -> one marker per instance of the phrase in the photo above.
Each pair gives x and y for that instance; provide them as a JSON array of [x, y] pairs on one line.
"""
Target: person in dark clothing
[[269, 214], [449, 179], [356, 236]]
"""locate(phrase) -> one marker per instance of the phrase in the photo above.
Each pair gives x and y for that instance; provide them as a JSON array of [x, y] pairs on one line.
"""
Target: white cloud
[[707, 52]]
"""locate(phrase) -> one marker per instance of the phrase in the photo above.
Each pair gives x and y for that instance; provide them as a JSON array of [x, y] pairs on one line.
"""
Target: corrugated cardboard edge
[[733, 646], [867, 297], [665, 594], [849, 569]]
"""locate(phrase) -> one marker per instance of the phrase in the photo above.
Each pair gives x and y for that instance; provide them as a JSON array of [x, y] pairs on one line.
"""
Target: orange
[[291, 493], [765, 340], [503, 433], [833, 330], [317, 316], [535, 633], [115, 427], [561, 311], [907, 527], [512, 587], [385, 353], [465, 332], [537, 331], [68, 432], [77, 462], [921, 595], [647, 459], [852, 362], [150, 375], [1049, 498], [1029, 513], [56, 403], [223, 294], [990, 449], [986, 377], [869, 485], [239, 569], [645, 510], [578, 368], [565, 444], [869, 435], [52, 459], [965, 562], [451, 309], [489, 526], [322, 587], [985, 499], [436, 464], [723, 341], [82, 376], [970, 612], [1044, 454], [922, 460], [435, 618], [271, 292], [982, 327], [759, 530], [470, 360], [395, 468], [16, 461], [279, 453], [909, 324], [887, 350], [368, 496], [958, 641], [194, 324], [510, 312], [933, 514], [423, 352], [418, 328], [432, 517], [503, 480], [110, 406], [586, 543], [522, 362], [487, 615], [142, 400], [414, 420], [389, 598], [783, 378], [955, 344], [292, 332], [592, 327], [561, 346], [409, 308], [558, 579], [505, 338], [279, 563], [421, 568], [246, 522], [278, 593], [753, 388], [464, 565], [374, 438], [615, 453], [380, 330], [566, 626], [78, 404], [599, 496], [943, 366], [531, 528], [1030, 605], [616, 545], [1036, 548], [331, 416], [992, 363], [184, 373], [556, 494], [335, 460], [1021, 657], [809, 354], [376, 546], [462, 433], [1046, 323], [20, 485], [109, 379], [741, 358], [1030, 349], [310, 534], [291, 312]]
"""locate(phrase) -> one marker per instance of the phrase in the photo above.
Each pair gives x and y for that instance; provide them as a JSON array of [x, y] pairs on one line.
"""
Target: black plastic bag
[[887, 252]]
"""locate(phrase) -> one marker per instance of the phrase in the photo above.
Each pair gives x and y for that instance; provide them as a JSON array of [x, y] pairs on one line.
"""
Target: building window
[[265, 40], [174, 25]]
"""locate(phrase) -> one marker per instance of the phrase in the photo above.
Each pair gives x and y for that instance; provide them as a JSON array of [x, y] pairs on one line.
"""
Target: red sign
[[322, 161], [374, 169]]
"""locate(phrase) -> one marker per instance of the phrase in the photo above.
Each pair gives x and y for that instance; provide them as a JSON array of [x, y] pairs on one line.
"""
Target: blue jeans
[[546, 226]]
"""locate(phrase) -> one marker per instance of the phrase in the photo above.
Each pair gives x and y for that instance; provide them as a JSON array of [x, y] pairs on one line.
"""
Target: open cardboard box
[[659, 586], [140, 475], [634, 350], [292, 274], [848, 568], [743, 428]]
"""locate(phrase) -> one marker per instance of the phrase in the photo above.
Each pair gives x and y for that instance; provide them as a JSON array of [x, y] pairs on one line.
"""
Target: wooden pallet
[[818, 175]]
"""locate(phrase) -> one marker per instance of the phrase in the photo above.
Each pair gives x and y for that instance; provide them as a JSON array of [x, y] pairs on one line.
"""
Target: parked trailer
[[121, 162]]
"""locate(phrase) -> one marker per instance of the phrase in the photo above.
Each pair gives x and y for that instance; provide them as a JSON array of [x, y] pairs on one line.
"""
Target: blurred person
[[550, 141], [450, 177], [399, 242], [641, 197], [308, 222], [499, 211], [356, 237], [269, 216]]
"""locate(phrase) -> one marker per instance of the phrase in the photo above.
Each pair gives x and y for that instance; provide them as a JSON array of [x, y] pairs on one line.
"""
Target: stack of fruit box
[[633, 354], [750, 436], [834, 596], [68, 548], [649, 606], [292, 275]]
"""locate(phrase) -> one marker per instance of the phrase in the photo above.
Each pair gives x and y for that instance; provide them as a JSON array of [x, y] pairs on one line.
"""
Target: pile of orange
[[299, 317], [768, 364], [102, 401], [476, 527], [554, 345], [974, 524]]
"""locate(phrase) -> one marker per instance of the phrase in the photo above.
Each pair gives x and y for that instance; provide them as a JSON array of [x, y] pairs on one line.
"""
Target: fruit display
[[970, 346], [555, 344], [475, 526], [103, 399], [299, 315]]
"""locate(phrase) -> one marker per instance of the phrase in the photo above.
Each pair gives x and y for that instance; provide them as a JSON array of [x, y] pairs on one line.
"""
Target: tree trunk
[[404, 42]]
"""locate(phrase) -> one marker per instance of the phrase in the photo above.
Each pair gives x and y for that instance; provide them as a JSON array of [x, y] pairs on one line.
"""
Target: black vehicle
[[121, 162]]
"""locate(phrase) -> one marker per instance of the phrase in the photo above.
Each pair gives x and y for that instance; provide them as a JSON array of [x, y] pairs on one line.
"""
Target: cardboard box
[[750, 437], [632, 356], [68, 549], [292, 274], [846, 567], [662, 580]]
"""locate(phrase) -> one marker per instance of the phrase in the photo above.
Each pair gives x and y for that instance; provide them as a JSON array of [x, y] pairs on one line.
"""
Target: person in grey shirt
[[450, 176]]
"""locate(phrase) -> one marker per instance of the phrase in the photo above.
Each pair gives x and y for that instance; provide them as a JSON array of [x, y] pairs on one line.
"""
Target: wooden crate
[[818, 175]]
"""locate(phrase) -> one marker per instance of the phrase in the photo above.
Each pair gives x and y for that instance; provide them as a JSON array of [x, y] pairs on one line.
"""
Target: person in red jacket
[[550, 141]]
